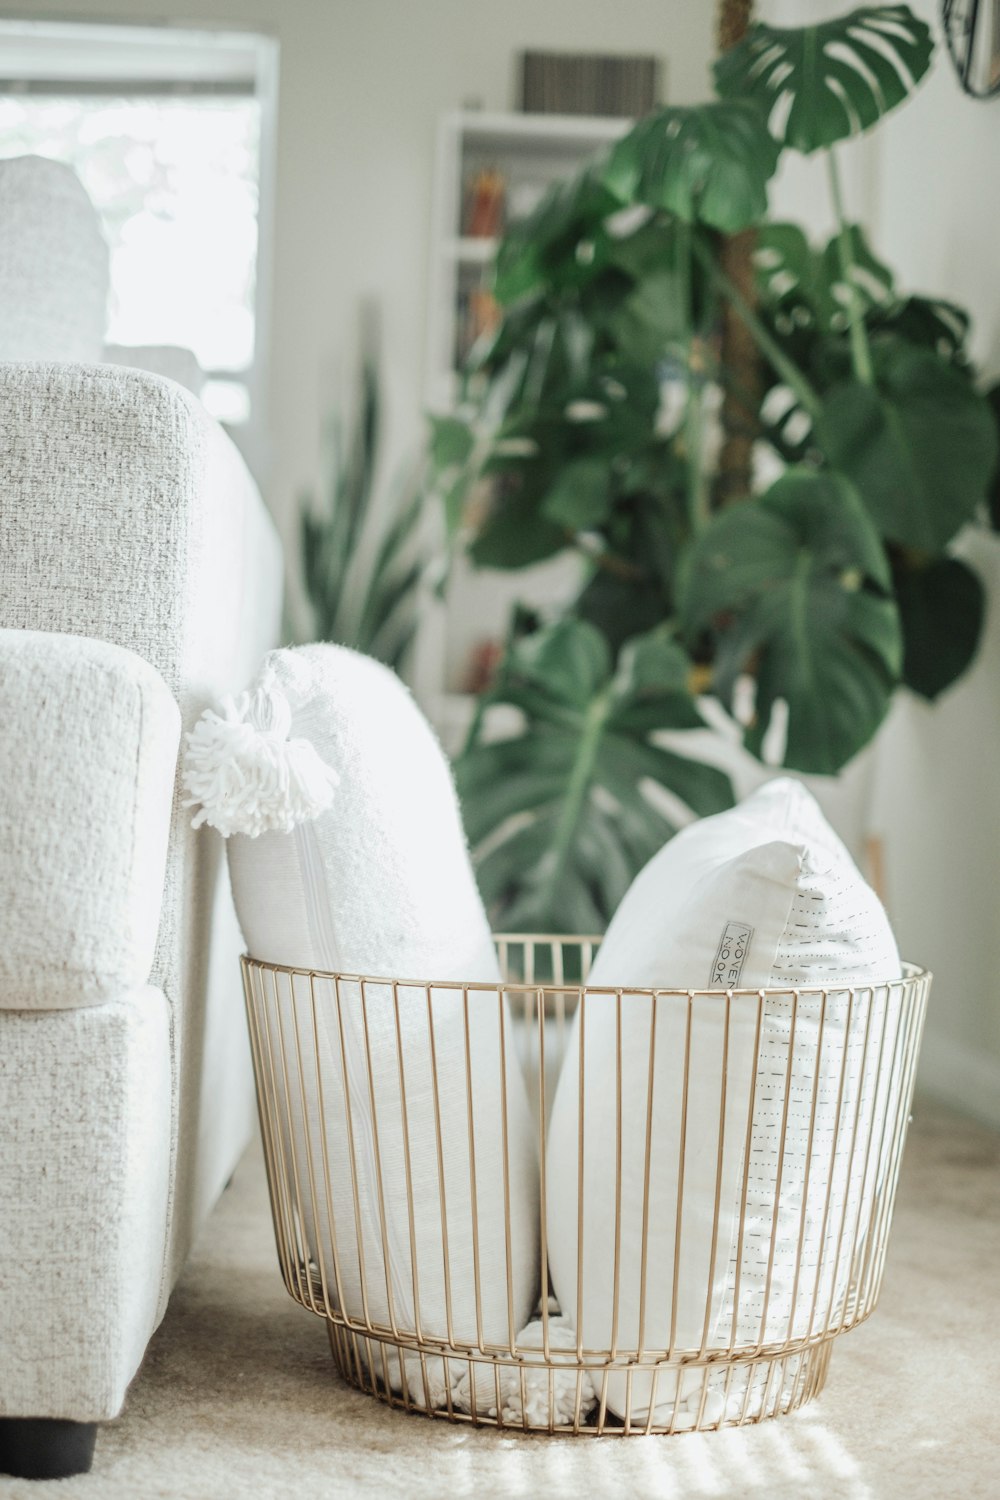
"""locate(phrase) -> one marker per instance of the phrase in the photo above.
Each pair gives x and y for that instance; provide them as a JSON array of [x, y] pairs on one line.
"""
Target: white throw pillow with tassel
[[762, 896], [347, 854]]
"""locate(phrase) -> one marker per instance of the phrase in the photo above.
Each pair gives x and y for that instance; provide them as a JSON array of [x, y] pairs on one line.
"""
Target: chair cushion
[[87, 763], [53, 264]]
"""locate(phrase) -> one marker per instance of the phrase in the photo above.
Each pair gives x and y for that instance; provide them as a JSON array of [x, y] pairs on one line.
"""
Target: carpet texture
[[238, 1396]]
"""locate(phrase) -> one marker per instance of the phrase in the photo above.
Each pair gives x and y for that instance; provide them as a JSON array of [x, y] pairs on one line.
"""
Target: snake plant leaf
[[791, 586], [560, 815], [920, 444], [705, 163], [942, 607], [820, 84]]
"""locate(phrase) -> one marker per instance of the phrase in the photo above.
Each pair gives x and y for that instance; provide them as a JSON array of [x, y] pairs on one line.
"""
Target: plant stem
[[694, 464], [768, 346], [861, 355]]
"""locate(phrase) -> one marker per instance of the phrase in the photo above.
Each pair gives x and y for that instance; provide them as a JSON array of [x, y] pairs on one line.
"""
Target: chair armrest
[[87, 762]]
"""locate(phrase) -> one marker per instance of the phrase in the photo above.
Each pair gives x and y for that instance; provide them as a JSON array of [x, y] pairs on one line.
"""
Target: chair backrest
[[53, 264]]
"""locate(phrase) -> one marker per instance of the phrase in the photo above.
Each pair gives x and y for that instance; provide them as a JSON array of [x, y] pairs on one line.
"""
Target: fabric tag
[[732, 950]]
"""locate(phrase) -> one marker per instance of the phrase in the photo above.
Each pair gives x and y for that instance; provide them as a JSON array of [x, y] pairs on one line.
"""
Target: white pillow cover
[[381, 884], [764, 895]]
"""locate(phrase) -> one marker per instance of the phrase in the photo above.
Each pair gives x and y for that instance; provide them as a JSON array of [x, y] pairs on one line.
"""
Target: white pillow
[[379, 884], [762, 896]]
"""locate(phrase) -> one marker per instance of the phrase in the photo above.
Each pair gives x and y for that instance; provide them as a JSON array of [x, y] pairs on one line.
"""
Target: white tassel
[[245, 774]]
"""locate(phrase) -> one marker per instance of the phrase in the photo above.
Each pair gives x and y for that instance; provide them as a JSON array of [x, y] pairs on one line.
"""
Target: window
[[170, 133]]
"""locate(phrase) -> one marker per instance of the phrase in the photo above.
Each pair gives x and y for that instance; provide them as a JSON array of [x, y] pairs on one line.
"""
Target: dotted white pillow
[[761, 896]]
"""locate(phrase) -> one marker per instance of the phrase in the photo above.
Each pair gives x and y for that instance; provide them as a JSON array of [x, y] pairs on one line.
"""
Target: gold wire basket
[[704, 1178]]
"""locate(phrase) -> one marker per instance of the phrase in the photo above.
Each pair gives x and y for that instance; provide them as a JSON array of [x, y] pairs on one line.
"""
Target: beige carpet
[[238, 1396]]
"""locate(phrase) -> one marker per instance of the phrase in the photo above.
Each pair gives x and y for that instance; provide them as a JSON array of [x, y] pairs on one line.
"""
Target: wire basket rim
[[912, 974]]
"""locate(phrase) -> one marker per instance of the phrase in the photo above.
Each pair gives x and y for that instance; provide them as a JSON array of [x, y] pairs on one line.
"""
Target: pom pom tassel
[[245, 775]]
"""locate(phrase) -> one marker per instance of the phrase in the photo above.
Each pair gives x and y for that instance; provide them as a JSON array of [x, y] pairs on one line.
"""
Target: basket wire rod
[[646, 1172], [713, 1251], [892, 1123], [617, 1271], [295, 1278], [747, 1157], [862, 1299], [279, 1193], [319, 1257], [831, 1179], [581, 1031], [439, 1150], [705, 1374], [404, 1120], [383, 1217], [543, 1240], [505, 1160], [807, 1172], [852, 1309], [602, 1409], [352, 1159], [915, 1031], [883, 1114], [682, 1153], [829, 1320], [252, 980], [909, 1037], [473, 1184], [556, 959], [831, 1174], [782, 1147], [325, 1151], [916, 1034], [303, 1279]]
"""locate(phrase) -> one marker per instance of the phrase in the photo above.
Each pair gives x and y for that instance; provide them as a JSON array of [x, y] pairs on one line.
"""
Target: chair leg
[[46, 1447]]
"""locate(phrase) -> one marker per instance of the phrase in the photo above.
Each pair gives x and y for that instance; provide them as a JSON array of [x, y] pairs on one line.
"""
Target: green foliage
[[590, 421], [941, 608], [834, 79], [920, 444], [560, 814], [801, 583], [362, 564], [709, 165]]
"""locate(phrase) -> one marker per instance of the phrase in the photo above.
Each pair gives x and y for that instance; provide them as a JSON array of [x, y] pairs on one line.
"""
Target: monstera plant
[[801, 598]]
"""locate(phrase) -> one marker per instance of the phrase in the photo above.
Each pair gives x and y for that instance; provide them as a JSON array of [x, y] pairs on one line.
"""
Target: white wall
[[363, 84]]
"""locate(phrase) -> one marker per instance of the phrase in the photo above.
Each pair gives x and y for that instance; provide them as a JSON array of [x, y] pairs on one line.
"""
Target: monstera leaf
[[819, 84], [558, 814], [920, 444], [543, 248], [806, 287], [792, 588], [942, 608], [708, 163]]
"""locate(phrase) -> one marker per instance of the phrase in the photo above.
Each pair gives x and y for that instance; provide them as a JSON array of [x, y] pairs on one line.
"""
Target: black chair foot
[[46, 1447]]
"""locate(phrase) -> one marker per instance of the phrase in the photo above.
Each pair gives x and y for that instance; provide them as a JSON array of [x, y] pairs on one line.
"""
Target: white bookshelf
[[531, 152]]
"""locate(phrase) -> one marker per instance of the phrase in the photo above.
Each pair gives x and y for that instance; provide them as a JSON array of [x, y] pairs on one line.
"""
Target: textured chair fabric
[[85, 1109], [53, 263], [127, 516], [87, 762], [159, 359]]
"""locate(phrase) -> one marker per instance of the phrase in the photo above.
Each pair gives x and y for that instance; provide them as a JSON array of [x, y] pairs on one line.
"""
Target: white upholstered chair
[[140, 578]]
